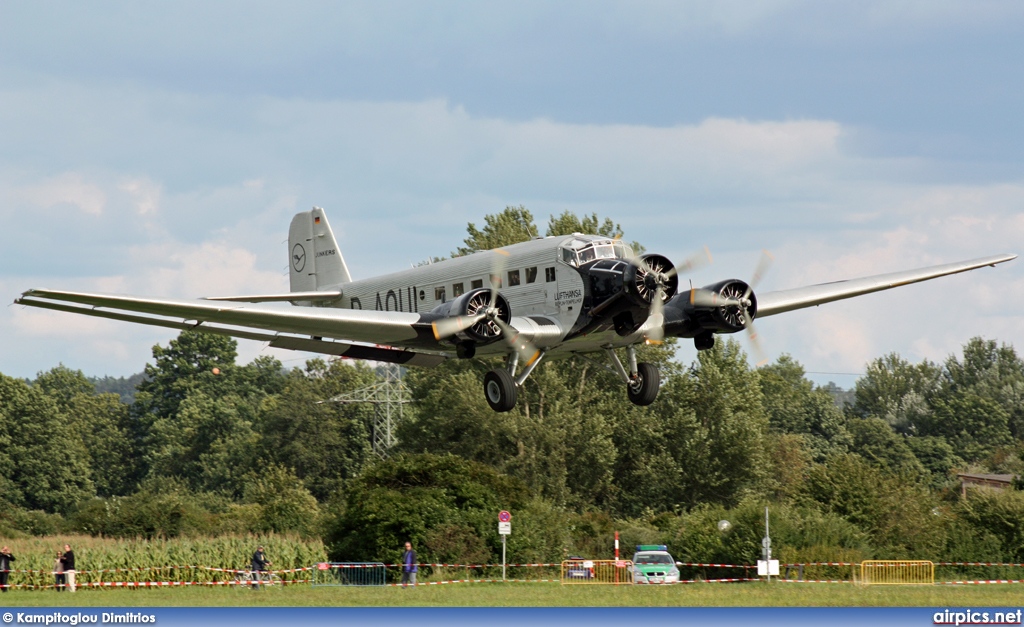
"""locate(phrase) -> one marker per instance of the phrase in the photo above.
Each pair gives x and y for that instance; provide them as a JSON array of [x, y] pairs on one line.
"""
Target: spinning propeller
[[737, 305], [491, 315], [656, 279], [707, 298]]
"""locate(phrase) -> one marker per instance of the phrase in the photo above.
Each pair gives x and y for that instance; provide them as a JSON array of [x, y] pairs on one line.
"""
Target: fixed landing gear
[[642, 381], [643, 386], [500, 390], [501, 386]]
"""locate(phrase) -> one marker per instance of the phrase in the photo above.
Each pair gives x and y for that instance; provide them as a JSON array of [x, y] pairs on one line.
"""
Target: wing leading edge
[[771, 303], [292, 327]]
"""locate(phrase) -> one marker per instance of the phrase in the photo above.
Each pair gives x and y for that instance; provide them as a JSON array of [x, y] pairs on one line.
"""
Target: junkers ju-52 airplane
[[549, 298]]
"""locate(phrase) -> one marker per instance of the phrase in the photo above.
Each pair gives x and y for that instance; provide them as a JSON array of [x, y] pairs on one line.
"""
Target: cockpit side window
[[569, 257]]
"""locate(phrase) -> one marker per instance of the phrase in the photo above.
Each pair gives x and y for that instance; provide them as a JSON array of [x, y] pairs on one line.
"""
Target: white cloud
[[69, 188], [401, 179], [144, 193]]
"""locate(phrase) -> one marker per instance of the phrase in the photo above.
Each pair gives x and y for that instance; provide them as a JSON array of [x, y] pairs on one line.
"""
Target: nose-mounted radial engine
[[628, 291]]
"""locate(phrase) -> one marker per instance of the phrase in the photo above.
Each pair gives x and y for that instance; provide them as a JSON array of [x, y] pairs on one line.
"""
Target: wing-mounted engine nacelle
[[472, 304], [716, 307]]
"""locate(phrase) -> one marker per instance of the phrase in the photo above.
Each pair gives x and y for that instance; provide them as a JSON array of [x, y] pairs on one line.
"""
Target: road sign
[[505, 528], [504, 516]]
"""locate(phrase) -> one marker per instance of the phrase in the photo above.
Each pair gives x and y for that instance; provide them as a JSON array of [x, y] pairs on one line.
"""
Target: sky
[[160, 149]]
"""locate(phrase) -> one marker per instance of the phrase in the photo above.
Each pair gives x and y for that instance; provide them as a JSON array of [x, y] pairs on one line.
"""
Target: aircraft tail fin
[[314, 260]]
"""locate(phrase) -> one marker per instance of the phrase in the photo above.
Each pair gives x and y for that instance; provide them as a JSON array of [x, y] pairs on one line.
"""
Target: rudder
[[314, 260]]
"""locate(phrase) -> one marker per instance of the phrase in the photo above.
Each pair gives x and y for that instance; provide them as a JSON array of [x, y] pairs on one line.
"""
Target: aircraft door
[[569, 293]]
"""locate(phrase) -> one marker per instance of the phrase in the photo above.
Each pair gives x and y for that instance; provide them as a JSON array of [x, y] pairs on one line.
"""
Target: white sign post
[[504, 530], [767, 566]]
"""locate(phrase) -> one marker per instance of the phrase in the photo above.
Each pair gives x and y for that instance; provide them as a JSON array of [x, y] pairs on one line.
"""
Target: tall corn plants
[[175, 560]]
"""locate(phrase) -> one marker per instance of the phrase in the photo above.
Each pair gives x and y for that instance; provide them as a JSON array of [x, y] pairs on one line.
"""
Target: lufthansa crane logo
[[298, 257]]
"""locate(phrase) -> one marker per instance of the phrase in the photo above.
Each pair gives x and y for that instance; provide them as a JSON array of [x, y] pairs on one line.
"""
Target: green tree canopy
[[43, 462], [511, 226]]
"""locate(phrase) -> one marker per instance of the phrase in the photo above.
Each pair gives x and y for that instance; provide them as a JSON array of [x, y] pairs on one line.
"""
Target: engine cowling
[[723, 318], [472, 303], [641, 285]]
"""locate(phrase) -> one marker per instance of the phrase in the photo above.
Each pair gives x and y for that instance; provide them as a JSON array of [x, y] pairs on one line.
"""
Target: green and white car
[[653, 564]]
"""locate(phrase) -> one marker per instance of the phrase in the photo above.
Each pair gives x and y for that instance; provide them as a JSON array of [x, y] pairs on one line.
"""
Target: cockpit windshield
[[577, 252]]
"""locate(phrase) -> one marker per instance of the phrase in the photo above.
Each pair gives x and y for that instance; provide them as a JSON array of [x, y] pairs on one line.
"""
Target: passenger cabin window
[[439, 294], [495, 281], [457, 290], [513, 278], [531, 275], [476, 284], [549, 275]]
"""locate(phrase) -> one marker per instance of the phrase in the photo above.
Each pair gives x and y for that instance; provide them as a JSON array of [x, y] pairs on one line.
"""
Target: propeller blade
[[528, 353], [497, 270], [692, 263], [656, 334], [763, 264], [755, 341], [446, 327]]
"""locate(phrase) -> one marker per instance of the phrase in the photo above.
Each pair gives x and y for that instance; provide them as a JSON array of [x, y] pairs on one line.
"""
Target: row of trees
[[208, 446]]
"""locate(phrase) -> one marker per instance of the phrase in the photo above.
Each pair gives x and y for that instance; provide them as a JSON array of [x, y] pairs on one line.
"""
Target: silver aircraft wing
[[772, 303], [297, 328]]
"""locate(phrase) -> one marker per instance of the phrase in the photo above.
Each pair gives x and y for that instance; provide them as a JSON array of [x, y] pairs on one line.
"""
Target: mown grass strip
[[543, 594]]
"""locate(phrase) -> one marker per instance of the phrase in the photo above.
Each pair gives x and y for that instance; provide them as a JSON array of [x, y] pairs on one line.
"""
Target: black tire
[[644, 388], [500, 390]]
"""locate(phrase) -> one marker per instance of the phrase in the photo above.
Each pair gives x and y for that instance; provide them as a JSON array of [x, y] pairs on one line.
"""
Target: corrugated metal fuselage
[[547, 303]]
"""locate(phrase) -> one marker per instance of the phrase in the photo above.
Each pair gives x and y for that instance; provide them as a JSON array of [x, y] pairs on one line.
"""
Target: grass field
[[543, 594]]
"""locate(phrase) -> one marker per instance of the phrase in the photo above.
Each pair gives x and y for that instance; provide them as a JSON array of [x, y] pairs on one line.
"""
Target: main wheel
[[500, 390], [643, 389]]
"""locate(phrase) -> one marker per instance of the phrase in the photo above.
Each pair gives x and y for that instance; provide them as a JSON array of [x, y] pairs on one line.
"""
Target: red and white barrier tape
[[817, 564], [449, 581], [155, 584], [981, 581], [975, 564], [691, 564], [728, 580]]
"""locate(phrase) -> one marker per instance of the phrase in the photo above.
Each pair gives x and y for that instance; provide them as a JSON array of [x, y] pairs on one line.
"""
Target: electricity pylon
[[387, 397]]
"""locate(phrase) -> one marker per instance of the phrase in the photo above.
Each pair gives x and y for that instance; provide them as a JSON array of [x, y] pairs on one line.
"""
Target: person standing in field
[[408, 565], [58, 572], [5, 566], [259, 566], [68, 562]]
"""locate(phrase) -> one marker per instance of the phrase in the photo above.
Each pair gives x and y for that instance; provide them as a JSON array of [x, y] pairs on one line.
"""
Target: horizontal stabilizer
[[280, 298]]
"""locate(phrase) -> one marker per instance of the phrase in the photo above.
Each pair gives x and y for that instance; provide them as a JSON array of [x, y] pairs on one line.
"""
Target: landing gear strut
[[501, 386], [642, 381]]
